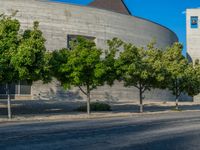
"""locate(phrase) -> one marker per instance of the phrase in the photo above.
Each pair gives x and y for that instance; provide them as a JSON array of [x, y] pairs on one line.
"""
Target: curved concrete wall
[[59, 20]]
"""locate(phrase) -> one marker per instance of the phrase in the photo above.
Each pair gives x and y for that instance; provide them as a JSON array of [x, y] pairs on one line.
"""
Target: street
[[166, 131]]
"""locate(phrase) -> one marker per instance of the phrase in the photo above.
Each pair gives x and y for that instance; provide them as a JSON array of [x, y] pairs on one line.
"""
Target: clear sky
[[170, 13]]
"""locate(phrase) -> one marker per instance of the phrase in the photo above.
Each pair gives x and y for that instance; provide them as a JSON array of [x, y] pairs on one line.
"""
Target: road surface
[[169, 131]]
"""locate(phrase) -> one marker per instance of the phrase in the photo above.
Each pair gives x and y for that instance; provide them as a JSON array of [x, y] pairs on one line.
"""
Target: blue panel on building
[[194, 22]]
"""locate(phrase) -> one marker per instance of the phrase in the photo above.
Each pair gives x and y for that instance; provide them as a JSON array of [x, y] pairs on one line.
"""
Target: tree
[[31, 58], [81, 67], [140, 68], [177, 67], [58, 61], [192, 79], [9, 42], [114, 46]]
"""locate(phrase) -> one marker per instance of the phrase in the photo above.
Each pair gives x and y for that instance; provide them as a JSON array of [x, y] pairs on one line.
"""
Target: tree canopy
[[9, 42], [81, 66], [176, 66], [31, 59], [141, 68], [22, 56]]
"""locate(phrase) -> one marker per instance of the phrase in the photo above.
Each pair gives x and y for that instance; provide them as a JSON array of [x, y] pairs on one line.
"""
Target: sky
[[170, 13]]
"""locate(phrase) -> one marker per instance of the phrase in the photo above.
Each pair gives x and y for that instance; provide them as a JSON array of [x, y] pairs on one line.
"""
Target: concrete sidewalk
[[41, 110]]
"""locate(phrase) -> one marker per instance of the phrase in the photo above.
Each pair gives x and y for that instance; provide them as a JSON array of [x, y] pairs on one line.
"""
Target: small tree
[[140, 68], [9, 42], [176, 65], [81, 67]]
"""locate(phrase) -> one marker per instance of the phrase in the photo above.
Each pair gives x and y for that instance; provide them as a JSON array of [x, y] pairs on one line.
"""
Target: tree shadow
[[60, 94], [134, 108], [39, 107], [50, 107]]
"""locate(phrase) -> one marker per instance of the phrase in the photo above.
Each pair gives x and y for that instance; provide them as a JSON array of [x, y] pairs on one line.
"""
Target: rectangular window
[[12, 87], [72, 37], [194, 22], [25, 88], [21, 88]]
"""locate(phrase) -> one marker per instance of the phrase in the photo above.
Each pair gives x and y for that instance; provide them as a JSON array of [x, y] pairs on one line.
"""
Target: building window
[[194, 22], [73, 38], [22, 88]]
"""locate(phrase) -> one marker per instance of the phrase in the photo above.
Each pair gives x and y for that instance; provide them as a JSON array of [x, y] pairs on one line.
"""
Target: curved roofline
[[50, 1], [157, 24], [139, 18]]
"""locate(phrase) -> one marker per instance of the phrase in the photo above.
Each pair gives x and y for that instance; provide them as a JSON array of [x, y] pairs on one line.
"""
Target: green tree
[[140, 68], [177, 67], [31, 58], [58, 61], [9, 42], [192, 79], [109, 60], [81, 67]]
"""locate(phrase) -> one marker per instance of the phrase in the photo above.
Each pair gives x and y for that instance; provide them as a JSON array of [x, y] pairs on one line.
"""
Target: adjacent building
[[99, 21], [193, 36]]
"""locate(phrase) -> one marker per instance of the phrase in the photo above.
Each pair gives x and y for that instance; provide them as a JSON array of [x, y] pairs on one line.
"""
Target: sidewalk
[[62, 110]]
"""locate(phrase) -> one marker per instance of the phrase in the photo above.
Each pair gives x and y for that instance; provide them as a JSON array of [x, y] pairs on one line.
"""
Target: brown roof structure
[[113, 5]]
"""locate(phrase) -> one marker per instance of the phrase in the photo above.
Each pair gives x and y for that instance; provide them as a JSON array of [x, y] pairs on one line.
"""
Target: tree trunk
[[8, 102], [141, 101], [177, 93], [177, 102], [88, 100]]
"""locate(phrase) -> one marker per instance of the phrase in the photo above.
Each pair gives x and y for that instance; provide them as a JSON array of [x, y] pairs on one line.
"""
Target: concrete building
[[100, 20], [193, 36]]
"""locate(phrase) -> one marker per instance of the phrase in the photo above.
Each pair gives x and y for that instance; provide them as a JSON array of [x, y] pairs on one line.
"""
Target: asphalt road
[[170, 131]]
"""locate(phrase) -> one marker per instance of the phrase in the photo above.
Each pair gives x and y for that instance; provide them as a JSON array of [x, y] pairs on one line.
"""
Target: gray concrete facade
[[193, 36], [58, 20]]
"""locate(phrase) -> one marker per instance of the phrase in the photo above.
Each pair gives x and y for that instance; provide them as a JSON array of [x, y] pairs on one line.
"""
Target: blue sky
[[170, 13]]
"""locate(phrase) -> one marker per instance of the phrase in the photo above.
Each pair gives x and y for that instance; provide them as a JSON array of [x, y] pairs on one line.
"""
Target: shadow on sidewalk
[[45, 107]]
